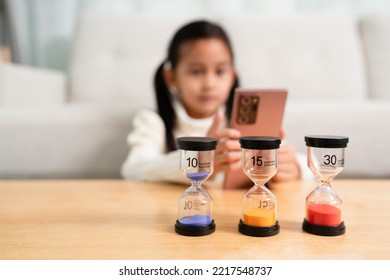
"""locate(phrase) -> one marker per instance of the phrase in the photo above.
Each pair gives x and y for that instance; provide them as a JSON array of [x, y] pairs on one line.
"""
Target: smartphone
[[255, 113]]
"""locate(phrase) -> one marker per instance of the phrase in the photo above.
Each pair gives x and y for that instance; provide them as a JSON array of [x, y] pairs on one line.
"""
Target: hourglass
[[325, 158], [259, 159], [195, 204]]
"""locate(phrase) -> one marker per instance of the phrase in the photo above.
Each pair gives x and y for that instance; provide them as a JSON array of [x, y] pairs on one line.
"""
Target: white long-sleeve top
[[148, 159]]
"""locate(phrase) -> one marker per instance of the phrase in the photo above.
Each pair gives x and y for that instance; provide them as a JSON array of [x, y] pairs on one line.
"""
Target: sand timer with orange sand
[[259, 205], [325, 158]]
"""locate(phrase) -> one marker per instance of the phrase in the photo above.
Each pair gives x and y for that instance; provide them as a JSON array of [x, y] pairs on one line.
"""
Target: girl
[[193, 87]]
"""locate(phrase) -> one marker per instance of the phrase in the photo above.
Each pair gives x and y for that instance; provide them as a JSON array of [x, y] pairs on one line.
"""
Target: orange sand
[[259, 217]]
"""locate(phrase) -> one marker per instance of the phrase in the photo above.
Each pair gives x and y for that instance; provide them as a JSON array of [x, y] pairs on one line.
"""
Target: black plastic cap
[[258, 231], [189, 230], [325, 141], [196, 143], [323, 230], [260, 142]]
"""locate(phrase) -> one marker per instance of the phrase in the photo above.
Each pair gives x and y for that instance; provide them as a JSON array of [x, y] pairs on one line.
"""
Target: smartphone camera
[[247, 111]]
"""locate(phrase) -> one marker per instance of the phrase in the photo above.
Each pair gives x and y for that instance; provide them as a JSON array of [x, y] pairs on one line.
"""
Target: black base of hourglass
[[323, 230], [258, 231], [190, 230]]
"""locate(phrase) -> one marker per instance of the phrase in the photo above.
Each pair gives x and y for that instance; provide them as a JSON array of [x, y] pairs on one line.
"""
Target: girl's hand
[[228, 151]]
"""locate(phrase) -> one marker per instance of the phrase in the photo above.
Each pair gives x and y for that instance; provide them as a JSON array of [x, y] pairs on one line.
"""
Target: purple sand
[[198, 176], [196, 220]]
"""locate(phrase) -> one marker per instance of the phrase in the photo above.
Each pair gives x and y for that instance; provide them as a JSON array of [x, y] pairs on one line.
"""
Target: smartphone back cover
[[267, 121]]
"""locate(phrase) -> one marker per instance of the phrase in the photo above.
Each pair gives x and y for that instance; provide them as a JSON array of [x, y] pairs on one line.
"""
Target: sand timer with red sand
[[195, 204], [259, 156], [325, 158]]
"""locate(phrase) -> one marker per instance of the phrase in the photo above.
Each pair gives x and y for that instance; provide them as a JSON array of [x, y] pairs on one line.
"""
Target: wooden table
[[115, 219]]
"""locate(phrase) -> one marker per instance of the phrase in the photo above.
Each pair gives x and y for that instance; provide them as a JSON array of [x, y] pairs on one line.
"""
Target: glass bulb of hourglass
[[260, 166], [325, 164]]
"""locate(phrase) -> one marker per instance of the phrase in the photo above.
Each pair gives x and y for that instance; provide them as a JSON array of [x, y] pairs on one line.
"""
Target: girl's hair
[[192, 31]]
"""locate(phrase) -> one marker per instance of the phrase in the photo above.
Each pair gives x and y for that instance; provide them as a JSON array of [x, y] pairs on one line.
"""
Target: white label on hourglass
[[332, 160], [258, 161], [204, 165], [196, 204], [270, 163]]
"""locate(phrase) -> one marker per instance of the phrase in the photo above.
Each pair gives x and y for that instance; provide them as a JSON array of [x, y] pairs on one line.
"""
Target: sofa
[[74, 124]]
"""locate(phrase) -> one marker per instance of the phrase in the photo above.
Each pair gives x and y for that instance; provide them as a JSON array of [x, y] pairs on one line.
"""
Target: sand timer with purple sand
[[195, 204]]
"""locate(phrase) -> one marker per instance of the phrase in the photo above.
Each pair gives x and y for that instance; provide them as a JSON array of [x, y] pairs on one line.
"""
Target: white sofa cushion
[[70, 141], [114, 57], [24, 86], [376, 39], [363, 122], [315, 58]]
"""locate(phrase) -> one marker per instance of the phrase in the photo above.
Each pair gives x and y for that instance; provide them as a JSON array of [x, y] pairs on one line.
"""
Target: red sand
[[323, 214]]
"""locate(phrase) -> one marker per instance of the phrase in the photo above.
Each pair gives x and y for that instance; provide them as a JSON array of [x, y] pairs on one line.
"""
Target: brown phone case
[[255, 113]]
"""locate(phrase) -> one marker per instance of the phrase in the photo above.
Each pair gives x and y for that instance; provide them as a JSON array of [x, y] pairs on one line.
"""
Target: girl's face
[[203, 76]]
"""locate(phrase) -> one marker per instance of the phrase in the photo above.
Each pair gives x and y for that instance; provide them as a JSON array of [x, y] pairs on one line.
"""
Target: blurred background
[[39, 32], [73, 72]]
